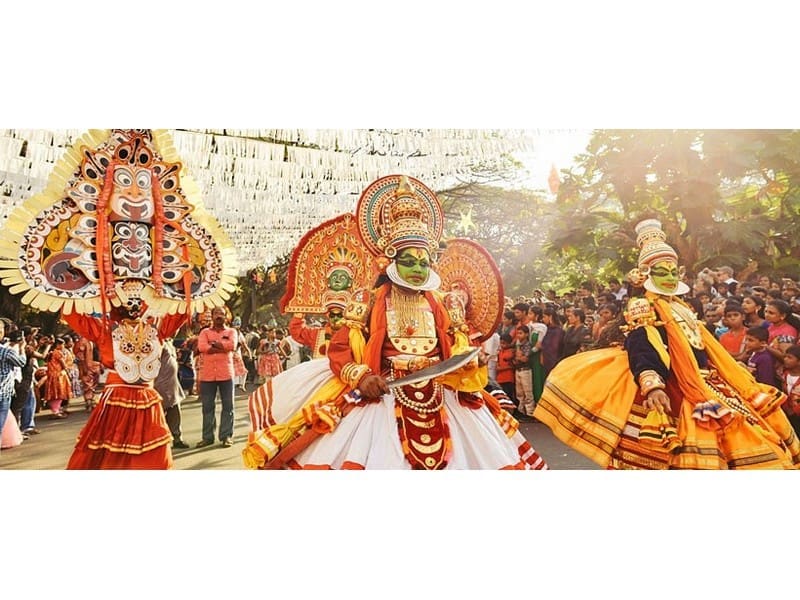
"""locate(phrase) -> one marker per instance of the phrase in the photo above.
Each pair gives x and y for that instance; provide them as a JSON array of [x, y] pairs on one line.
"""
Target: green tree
[[507, 222], [723, 197], [761, 186]]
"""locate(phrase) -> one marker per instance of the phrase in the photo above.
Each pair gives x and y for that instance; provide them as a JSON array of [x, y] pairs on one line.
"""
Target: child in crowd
[[733, 338], [505, 367], [761, 364], [522, 374], [712, 317], [791, 385]]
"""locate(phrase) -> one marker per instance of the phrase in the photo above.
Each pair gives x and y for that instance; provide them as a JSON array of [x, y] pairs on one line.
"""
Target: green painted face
[[413, 266], [335, 316], [665, 276], [339, 280]]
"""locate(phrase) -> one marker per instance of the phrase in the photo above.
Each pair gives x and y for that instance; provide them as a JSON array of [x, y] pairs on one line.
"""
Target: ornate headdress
[[652, 243], [407, 223], [331, 246], [118, 221], [341, 258], [397, 212], [653, 248], [468, 270]]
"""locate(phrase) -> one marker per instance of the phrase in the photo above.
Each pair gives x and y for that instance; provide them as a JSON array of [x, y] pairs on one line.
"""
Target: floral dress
[[76, 388], [269, 362]]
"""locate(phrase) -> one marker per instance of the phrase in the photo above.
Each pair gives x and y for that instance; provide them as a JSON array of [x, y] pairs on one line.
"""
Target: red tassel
[[158, 235], [103, 248], [187, 281]]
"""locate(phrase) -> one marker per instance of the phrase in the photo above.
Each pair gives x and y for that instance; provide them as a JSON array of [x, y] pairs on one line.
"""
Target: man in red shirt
[[217, 344]]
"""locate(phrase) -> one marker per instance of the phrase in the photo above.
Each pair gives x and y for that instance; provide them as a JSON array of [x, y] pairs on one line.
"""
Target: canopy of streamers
[[267, 187]]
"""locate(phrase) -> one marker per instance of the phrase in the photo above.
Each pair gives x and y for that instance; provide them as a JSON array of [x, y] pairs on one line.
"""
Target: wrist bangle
[[352, 373], [650, 380]]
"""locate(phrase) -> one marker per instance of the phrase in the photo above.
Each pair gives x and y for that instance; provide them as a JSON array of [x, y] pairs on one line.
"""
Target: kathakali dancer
[[357, 416], [118, 231], [328, 263], [672, 397]]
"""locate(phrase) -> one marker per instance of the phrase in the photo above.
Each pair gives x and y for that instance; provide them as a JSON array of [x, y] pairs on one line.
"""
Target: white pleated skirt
[[367, 437]]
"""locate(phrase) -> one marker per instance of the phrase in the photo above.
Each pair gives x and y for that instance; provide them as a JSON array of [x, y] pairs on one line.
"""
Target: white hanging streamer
[[268, 187]]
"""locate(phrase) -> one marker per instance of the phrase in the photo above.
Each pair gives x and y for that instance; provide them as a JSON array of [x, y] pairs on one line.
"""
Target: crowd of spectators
[[757, 320], [60, 373]]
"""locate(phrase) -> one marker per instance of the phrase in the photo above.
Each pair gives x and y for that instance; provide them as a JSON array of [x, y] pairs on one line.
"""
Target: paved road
[[52, 447]]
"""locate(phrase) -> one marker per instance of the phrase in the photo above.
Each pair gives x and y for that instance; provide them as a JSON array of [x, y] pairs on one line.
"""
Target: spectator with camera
[[24, 404], [12, 359]]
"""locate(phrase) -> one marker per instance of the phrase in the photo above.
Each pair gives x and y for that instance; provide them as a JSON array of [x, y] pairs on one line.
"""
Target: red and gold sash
[[422, 425]]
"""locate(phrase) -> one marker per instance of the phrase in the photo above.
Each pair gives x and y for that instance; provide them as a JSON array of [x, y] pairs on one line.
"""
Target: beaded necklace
[[686, 319], [408, 312]]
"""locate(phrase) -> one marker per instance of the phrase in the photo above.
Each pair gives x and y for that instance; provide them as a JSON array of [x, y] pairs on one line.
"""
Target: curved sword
[[440, 368]]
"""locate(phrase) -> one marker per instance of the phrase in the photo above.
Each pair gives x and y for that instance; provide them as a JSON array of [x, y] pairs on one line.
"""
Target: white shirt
[[491, 347], [294, 352], [541, 329]]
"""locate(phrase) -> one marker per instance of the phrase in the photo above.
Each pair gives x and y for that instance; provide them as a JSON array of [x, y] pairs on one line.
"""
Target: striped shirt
[[9, 359]]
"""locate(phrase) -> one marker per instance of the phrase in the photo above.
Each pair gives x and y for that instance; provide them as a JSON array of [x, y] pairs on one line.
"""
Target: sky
[[556, 147]]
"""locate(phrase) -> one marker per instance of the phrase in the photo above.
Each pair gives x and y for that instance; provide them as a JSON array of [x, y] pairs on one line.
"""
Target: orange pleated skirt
[[592, 404], [126, 430]]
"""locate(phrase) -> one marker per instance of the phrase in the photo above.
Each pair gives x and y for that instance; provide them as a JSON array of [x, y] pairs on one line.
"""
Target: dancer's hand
[[373, 386], [657, 400]]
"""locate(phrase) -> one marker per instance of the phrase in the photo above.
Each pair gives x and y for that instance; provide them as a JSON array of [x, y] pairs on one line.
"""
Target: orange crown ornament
[[407, 224], [397, 212]]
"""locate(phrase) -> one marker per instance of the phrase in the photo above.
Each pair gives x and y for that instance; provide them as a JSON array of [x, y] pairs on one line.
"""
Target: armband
[[765, 402]]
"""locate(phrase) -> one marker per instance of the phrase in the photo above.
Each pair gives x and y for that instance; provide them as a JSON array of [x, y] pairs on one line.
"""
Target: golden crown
[[651, 240], [407, 225], [341, 258]]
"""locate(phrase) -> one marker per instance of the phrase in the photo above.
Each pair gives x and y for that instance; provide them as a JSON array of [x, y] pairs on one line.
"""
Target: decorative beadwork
[[431, 405], [687, 321]]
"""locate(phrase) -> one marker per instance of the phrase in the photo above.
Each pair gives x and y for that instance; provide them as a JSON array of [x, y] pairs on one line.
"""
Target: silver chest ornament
[[137, 351]]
